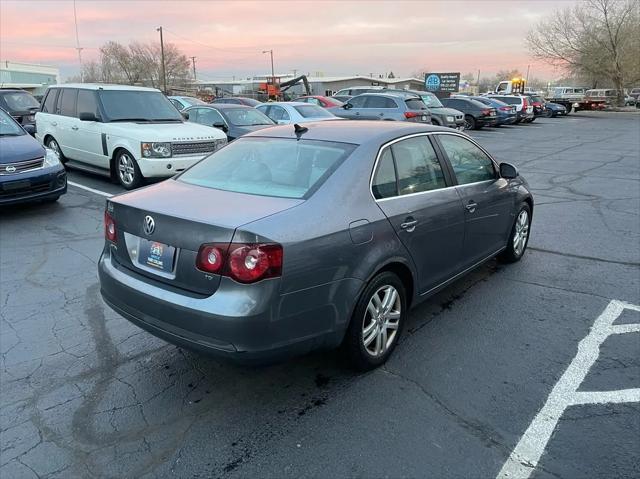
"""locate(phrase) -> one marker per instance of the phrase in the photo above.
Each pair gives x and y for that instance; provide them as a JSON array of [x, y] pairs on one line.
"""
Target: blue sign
[[442, 82], [432, 82]]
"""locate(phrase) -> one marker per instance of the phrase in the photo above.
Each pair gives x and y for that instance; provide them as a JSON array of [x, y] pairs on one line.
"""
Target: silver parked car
[[384, 106], [300, 237]]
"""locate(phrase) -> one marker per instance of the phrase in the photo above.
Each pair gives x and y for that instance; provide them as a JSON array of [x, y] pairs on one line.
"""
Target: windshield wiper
[[130, 119]]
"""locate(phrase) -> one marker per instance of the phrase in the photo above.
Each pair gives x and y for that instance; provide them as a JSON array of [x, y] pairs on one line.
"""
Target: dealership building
[[320, 85], [26, 76]]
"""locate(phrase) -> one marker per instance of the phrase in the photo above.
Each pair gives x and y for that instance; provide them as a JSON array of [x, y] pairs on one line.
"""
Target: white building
[[34, 78]]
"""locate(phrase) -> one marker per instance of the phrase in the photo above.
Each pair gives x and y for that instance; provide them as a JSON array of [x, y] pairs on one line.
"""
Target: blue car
[[551, 110], [28, 171], [507, 114]]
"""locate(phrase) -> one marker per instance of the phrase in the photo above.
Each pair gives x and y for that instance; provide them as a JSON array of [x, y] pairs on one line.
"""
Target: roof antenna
[[300, 130]]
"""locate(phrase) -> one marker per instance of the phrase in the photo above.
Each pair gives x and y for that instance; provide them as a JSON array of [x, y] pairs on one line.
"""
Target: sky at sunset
[[332, 37]]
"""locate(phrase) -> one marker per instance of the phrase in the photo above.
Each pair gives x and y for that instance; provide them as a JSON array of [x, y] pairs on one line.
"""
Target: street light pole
[[273, 74], [164, 73], [75, 19]]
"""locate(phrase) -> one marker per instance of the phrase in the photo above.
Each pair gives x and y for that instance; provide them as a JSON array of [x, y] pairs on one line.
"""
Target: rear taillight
[[211, 258], [486, 112], [245, 263], [109, 228], [525, 103], [505, 108], [411, 114]]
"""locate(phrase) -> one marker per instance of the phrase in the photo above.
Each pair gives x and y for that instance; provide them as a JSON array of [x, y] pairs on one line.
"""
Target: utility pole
[[75, 18], [164, 73], [294, 72], [193, 60], [478, 82], [526, 80]]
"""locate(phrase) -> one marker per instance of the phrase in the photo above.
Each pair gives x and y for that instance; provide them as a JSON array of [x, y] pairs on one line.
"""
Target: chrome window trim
[[427, 134]]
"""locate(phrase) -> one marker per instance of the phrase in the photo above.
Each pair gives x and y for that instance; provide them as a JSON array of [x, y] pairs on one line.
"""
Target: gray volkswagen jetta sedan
[[295, 238]]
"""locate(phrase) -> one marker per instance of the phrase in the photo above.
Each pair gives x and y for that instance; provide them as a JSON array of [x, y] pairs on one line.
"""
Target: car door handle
[[471, 206], [74, 128], [409, 225]]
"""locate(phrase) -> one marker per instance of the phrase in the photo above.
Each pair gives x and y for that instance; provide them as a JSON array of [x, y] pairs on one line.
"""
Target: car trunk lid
[[161, 228]]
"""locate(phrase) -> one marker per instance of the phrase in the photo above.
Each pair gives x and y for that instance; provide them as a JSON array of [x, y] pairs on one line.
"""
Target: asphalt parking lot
[[86, 394]]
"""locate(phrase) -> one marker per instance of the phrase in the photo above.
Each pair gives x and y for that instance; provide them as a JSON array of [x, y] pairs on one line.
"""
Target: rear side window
[[469, 162], [280, 167], [417, 166], [380, 102], [87, 102], [277, 113], [67, 102], [384, 180], [49, 105]]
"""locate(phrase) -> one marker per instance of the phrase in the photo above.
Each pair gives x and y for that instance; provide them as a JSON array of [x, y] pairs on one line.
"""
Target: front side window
[[138, 105], [207, 116], [417, 166], [312, 111], [247, 117], [277, 113], [469, 162], [67, 102], [280, 167], [358, 101]]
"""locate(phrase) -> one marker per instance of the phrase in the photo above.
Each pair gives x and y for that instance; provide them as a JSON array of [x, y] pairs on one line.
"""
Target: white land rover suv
[[129, 133]]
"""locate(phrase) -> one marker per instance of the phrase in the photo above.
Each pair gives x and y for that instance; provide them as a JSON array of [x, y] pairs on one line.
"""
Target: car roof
[[287, 103], [103, 86], [355, 132]]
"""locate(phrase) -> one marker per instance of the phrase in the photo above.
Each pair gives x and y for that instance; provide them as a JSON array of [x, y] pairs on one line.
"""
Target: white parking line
[[92, 190], [524, 458]]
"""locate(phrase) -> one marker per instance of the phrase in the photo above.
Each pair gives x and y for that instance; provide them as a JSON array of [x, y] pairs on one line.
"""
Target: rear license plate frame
[[156, 256]]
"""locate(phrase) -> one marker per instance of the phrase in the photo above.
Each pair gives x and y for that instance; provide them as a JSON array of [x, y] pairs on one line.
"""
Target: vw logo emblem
[[10, 169], [149, 225]]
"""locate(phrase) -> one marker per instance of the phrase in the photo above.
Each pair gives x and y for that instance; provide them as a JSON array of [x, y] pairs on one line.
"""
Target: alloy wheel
[[53, 145], [521, 233], [126, 169], [381, 320]]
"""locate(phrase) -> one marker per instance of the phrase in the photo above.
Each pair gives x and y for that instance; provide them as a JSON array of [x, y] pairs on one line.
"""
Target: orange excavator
[[274, 88]]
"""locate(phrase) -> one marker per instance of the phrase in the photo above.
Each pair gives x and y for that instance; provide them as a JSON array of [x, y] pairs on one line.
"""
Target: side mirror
[[31, 129], [508, 171], [221, 126], [347, 106], [87, 116], [185, 114]]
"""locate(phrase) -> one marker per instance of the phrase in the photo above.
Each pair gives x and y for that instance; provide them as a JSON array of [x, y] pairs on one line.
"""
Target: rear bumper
[[250, 324], [35, 185]]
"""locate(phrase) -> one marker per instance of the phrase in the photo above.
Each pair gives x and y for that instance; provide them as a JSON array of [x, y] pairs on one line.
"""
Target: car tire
[[519, 236], [569, 109], [434, 122], [532, 120], [373, 322], [470, 123], [127, 171], [53, 144], [549, 113]]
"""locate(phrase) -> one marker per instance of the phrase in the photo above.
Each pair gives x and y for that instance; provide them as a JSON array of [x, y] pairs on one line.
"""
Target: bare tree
[[138, 64], [596, 38]]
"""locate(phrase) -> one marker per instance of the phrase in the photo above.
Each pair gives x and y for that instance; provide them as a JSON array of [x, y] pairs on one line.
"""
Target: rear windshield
[[415, 104], [19, 101], [281, 167], [313, 111], [135, 105], [511, 100]]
